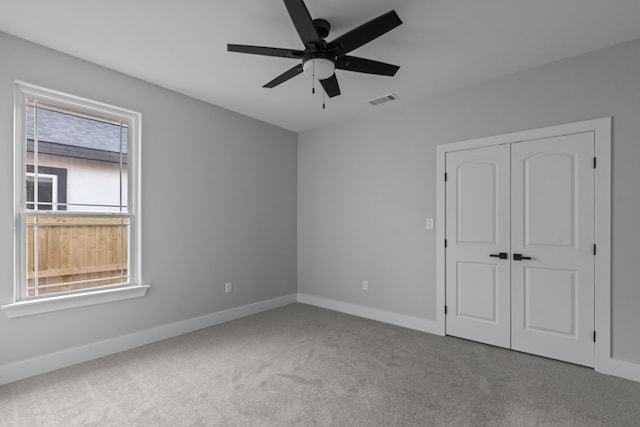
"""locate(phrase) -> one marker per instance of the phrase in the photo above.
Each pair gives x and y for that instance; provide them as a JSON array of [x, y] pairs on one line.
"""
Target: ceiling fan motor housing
[[322, 27]]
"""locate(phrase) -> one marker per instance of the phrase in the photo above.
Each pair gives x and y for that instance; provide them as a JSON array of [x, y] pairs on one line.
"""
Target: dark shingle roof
[[76, 136]]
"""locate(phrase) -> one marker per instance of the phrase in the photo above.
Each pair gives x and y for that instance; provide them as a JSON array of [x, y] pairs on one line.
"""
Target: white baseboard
[[411, 322], [620, 368], [50, 362], [615, 367]]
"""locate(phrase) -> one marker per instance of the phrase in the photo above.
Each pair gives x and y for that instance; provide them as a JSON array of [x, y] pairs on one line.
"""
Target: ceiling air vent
[[383, 99]]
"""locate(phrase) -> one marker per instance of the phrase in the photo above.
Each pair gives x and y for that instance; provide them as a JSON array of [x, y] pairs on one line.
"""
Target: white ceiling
[[442, 45]]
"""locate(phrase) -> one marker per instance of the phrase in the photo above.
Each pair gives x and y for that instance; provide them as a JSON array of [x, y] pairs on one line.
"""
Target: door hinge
[[594, 336], [446, 176], [594, 162], [446, 311], [594, 248], [445, 243]]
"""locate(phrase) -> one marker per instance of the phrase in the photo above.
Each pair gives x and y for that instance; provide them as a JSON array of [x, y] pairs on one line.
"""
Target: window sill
[[63, 302]]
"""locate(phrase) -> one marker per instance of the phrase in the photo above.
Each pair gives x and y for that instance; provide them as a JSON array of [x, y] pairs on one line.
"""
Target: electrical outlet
[[429, 224], [365, 285], [228, 287]]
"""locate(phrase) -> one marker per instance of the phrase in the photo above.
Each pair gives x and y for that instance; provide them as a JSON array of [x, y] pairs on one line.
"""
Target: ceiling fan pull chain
[[313, 79], [323, 106]]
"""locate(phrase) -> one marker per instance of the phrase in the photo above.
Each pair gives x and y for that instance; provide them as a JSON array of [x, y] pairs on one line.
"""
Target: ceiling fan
[[319, 57]]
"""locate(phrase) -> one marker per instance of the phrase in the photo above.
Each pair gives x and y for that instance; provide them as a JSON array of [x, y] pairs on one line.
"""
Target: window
[[52, 188], [76, 198]]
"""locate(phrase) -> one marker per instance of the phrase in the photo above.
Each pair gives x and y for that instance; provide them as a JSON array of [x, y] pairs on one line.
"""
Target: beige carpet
[[301, 365]]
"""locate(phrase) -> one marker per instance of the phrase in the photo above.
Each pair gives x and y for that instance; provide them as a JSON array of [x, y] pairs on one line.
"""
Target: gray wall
[[365, 187], [218, 203]]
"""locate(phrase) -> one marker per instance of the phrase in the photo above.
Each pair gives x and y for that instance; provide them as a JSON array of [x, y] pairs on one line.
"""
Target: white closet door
[[477, 226], [552, 222]]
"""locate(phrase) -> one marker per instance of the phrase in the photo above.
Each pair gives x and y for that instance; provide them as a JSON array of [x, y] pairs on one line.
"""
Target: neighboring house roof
[[70, 135]]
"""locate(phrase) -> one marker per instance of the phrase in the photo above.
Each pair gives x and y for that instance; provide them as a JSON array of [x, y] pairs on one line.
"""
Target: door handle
[[519, 257], [501, 255]]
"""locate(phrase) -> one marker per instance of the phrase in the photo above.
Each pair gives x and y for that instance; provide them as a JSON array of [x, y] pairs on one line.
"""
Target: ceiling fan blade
[[267, 51], [366, 32], [369, 66], [289, 74], [331, 86], [302, 21]]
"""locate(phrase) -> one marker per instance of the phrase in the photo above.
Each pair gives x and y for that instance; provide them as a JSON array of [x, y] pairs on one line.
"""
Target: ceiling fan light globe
[[320, 68]]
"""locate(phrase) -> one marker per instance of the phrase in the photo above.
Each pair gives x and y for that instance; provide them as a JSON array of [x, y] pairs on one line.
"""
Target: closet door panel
[[552, 220], [477, 226]]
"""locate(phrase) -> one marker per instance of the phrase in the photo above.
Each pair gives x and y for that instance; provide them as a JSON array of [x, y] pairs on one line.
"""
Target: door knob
[[501, 255], [519, 257]]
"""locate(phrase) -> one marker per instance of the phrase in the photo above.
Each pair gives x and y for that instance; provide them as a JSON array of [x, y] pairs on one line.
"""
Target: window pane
[[92, 149], [76, 253]]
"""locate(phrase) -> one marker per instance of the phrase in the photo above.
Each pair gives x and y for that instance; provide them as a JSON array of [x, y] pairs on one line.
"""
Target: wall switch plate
[[228, 287], [429, 224], [365, 285]]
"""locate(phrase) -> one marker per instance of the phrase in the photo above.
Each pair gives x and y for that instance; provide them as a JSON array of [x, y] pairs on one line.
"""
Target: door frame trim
[[601, 128]]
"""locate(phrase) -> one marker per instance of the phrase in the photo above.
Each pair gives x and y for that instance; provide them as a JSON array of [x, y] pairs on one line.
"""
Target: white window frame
[[22, 305]]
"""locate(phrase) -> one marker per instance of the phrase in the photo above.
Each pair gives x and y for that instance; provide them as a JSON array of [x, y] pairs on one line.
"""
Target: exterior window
[[76, 195], [47, 191], [52, 188]]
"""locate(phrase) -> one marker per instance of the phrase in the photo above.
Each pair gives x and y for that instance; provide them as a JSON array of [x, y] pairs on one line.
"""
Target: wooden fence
[[76, 253]]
